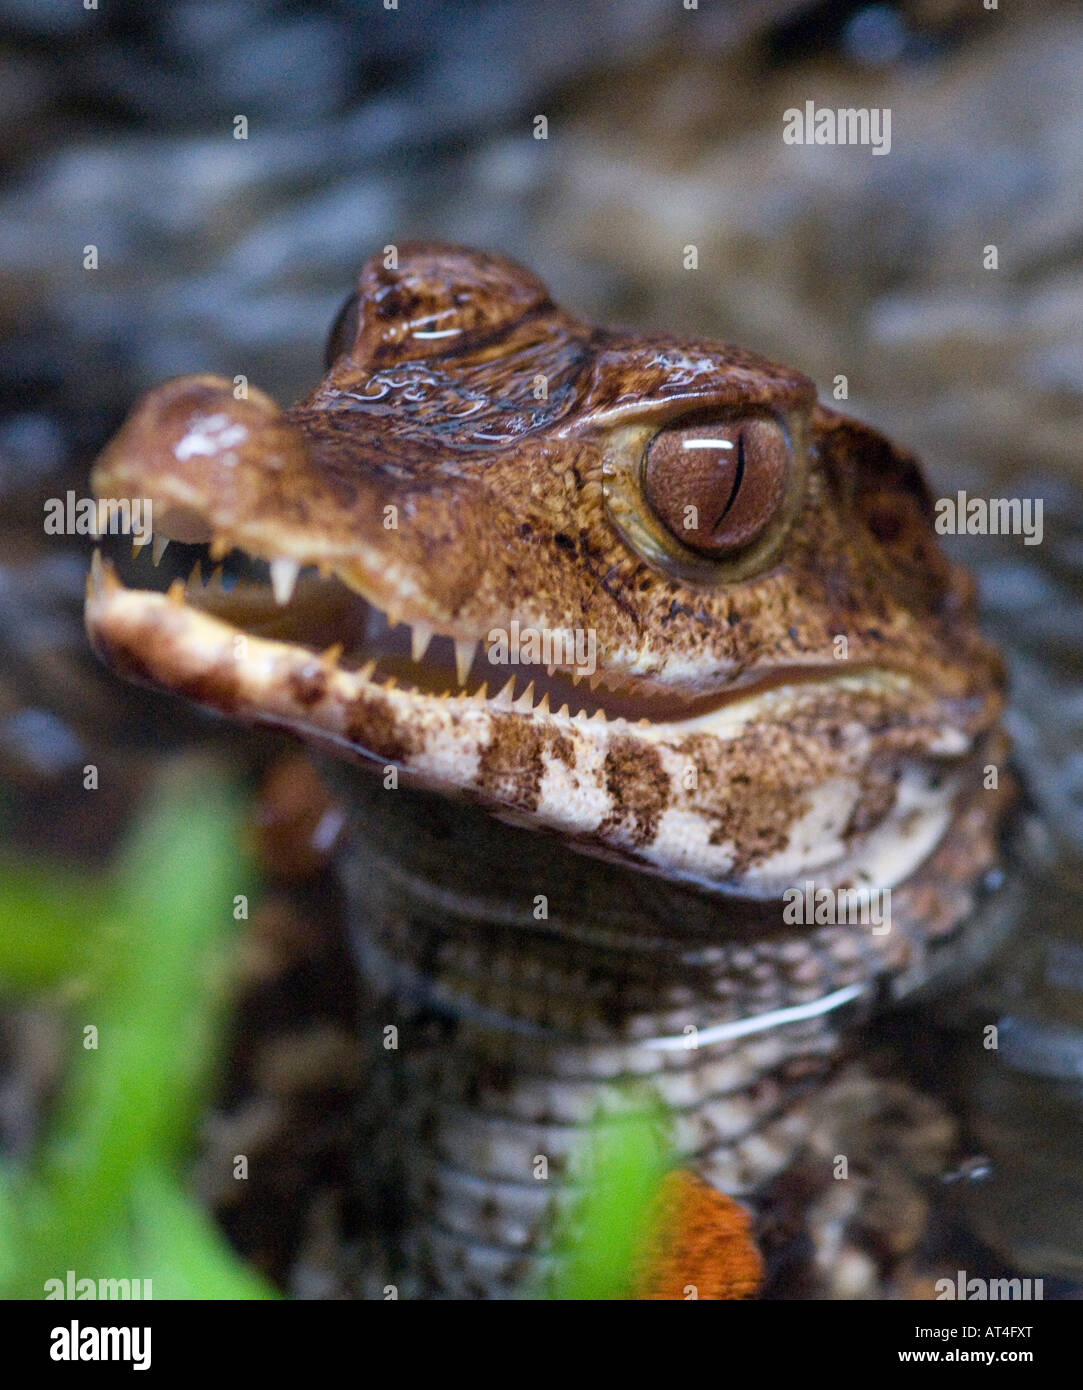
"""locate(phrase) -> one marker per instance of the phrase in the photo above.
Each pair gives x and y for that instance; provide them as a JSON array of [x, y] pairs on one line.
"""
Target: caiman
[[646, 674]]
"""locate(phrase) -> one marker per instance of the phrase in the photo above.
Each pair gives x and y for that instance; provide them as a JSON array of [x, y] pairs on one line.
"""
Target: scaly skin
[[814, 703]]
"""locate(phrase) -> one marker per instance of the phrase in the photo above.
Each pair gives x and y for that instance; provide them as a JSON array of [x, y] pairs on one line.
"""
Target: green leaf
[[181, 1250], [126, 1118], [48, 926], [599, 1244]]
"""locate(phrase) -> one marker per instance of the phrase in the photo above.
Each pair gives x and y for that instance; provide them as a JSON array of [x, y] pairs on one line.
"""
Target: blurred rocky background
[[368, 125]]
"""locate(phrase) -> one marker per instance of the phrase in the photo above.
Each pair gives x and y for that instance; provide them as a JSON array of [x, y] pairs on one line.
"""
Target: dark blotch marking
[[511, 768], [372, 726], [308, 685], [639, 786]]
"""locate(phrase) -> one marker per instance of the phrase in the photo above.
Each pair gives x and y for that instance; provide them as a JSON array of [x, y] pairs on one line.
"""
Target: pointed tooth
[[595, 680], [542, 707], [158, 546], [525, 702], [331, 656], [550, 669], [599, 713], [219, 548], [465, 647], [175, 592], [284, 574], [420, 637], [482, 693], [564, 712], [138, 547], [195, 579], [576, 676], [505, 698], [366, 671], [215, 581]]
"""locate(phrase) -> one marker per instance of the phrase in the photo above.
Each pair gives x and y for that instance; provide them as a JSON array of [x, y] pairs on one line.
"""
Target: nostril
[[195, 446]]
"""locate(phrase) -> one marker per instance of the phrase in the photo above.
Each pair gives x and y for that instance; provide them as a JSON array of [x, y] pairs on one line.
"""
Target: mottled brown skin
[[431, 475], [505, 515], [815, 701]]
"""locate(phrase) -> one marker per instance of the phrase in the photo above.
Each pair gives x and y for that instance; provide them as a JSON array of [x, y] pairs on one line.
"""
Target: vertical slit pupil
[[738, 476]]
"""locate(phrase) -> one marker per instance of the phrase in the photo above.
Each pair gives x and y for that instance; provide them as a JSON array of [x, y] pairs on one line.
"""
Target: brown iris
[[716, 487]]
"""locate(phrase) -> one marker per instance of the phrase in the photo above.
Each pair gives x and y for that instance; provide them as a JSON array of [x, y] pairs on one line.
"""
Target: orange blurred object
[[701, 1245]]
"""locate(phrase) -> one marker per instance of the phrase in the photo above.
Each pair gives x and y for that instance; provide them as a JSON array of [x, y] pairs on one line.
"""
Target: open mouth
[[288, 648], [282, 601]]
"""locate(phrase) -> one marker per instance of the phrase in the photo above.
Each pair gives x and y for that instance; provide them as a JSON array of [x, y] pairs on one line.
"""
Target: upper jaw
[[244, 478]]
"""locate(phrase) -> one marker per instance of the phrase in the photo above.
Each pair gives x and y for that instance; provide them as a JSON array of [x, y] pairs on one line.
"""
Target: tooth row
[[157, 544], [284, 576], [102, 576], [421, 636]]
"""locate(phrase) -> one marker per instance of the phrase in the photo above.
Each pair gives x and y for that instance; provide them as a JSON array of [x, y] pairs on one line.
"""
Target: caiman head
[[638, 589]]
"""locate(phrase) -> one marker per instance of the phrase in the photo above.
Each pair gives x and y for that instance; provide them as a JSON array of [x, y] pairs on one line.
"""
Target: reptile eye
[[343, 331], [717, 487], [707, 500]]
